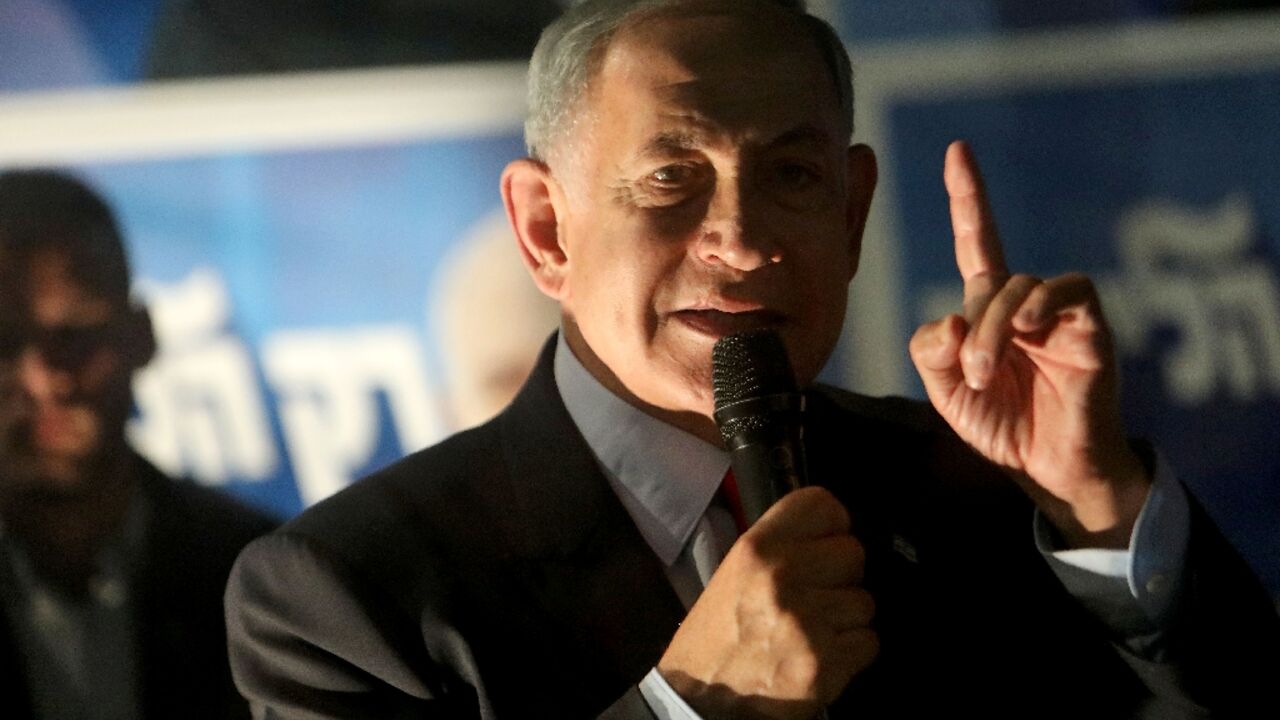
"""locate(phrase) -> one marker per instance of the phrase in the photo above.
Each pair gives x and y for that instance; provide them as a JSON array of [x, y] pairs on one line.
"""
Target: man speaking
[[1006, 552]]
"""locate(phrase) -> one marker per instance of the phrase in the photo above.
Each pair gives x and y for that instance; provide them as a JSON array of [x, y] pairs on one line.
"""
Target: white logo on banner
[[1191, 272], [328, 383], [200, 410]]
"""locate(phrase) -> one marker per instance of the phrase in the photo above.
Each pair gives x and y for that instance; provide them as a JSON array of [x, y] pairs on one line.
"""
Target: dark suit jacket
[[496, 575], [192, 538]]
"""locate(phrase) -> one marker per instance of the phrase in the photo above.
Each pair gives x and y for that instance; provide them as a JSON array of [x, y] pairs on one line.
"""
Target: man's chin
[[685, 400], [53, 476]]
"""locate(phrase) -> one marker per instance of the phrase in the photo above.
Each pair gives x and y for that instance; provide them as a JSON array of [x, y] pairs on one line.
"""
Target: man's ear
[[531, 196], [862, 175], [140, 340]]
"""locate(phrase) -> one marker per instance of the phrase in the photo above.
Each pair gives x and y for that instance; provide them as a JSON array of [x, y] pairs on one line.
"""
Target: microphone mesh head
[[750, 364]]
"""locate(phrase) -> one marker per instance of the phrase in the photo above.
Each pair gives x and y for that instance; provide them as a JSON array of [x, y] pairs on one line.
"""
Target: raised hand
[[1027, 377], [783, 624]]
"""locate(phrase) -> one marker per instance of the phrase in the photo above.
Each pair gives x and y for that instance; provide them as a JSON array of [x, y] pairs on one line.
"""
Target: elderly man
[[111, 575], [690, 178]]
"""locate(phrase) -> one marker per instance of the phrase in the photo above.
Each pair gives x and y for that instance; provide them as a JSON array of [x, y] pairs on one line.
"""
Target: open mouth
[[718, 323]]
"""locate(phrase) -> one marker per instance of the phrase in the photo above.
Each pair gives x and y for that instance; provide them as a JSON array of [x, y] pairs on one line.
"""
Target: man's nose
[[733, 233], [41, 380]]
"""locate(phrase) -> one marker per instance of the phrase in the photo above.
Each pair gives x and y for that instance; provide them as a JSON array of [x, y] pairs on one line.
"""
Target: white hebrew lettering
[[200, 407], [1191, 272], [327, 382]]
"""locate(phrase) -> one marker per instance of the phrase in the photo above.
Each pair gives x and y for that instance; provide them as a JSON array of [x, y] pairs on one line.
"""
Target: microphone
[[759, 408]]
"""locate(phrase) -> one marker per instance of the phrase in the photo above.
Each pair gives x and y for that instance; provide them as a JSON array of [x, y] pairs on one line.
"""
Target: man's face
[[708, 191], [64, 377]]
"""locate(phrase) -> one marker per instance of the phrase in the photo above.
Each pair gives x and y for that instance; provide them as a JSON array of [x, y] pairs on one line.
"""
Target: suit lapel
[[584, 561]]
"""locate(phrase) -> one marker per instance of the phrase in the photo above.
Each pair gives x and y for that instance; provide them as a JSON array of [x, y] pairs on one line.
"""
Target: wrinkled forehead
[[43, 288], [721, 66]]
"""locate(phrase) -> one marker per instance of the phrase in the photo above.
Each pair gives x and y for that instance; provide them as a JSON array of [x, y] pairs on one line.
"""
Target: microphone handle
[[767, 463]]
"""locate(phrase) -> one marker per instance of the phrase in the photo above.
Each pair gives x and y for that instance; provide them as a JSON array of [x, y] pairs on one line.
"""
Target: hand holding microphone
[[783, 625]]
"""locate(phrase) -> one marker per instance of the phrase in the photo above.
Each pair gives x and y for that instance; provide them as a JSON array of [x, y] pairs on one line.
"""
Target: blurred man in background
[[110, 573]]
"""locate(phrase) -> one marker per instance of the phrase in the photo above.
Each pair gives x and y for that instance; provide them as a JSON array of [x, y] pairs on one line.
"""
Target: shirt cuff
[[1152, 566], [663, 701]]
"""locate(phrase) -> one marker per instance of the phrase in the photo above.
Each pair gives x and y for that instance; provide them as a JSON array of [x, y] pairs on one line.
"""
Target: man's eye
[[795, 176], [800, 186], [671, 185], [673, 175]]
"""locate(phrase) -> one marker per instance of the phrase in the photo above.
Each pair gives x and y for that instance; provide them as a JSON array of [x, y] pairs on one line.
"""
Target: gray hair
[[569, 51]]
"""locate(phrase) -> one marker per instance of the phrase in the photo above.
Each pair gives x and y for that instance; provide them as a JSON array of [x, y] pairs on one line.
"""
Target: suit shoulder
[[193, 536], [908, 435], [448, 468], [904, 414], [212, 515], [435, 497]]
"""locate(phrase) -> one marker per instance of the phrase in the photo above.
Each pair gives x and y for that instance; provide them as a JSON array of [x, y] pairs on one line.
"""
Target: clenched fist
[[783, 624]]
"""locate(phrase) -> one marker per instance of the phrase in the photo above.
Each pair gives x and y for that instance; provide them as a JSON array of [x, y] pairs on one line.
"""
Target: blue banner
[[1160, 185]]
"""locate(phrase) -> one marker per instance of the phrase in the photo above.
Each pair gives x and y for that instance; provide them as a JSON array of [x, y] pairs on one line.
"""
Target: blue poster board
[[1160, 184]]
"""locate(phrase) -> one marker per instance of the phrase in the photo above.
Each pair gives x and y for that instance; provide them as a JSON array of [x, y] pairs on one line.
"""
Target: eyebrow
[[675, 142], [806, 134]]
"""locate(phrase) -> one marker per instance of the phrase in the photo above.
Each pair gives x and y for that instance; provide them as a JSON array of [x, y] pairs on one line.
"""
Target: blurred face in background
[[492, 321], [66, 360]]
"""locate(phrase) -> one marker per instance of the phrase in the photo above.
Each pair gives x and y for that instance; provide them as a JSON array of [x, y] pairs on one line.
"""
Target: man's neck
[[62, 533]]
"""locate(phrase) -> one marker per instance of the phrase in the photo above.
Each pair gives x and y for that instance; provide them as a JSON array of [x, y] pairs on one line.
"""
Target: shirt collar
[[664, 476]]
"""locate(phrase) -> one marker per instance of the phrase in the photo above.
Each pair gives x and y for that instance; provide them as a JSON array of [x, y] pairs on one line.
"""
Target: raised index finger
[[978, 249]]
